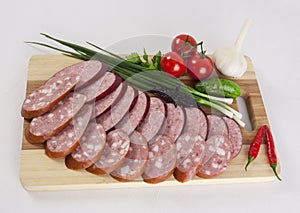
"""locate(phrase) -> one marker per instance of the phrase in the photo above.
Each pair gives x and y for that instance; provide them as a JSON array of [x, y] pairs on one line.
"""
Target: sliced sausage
[[162, 160], [190, 153], [110, 118], [174, 122], [101, 87], [136, 115], [104, 104], [88, 71], [195, 122], [46, 126], [218, 154], [57, 87], [48, 95], [92, 70], [117, 146], [90, 148], [136, 159], [235, 135], [154, 120], [216, 126], [67, 140]]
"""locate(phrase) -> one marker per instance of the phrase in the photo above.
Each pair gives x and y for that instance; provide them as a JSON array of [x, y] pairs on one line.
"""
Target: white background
[[272, 42]]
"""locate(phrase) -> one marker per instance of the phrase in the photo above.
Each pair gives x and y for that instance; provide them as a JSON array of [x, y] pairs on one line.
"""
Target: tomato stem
[[187, 39], [186, 43], [202, 53], [195, 45]]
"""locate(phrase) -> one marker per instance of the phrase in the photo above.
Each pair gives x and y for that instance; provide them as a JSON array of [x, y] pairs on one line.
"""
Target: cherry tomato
[[199, 67], [183, 45], [173, 64]]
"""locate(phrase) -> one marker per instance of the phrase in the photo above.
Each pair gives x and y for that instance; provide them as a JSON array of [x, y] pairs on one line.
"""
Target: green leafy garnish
[[156, 61], [145, 57], [135, 58]]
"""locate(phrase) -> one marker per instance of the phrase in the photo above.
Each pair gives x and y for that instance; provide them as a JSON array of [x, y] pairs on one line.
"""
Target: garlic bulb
[[230, 61]]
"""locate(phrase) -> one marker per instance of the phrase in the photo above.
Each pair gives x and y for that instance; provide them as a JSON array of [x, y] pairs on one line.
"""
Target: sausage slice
[[58, 86], [110, 118], [136, 115], [190, 153], [90, 148], [216, 126], [235, 135], [116, 148], [174, 122], [154, 120], [47, 125], [195, 122], [136, 159], [67, 140], [162, 160], [218, 154]]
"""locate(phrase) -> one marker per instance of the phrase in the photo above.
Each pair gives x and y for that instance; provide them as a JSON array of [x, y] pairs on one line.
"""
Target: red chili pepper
[[255, 145], [271, 151]]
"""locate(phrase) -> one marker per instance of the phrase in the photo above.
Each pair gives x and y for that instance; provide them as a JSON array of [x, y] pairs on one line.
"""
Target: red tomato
[[173, 64], [199, 67], [183, 45]]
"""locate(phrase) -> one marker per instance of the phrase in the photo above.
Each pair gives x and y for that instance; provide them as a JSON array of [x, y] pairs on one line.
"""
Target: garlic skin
[[230, 61]]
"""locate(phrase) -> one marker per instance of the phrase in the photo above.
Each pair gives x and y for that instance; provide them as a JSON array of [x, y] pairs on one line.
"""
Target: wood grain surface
[[40, 173]]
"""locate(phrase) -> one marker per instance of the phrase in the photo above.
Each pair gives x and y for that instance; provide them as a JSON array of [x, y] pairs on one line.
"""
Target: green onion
[[136, 75]]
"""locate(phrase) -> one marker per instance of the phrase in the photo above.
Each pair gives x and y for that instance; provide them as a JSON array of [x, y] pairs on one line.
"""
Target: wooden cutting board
[[40, 173]]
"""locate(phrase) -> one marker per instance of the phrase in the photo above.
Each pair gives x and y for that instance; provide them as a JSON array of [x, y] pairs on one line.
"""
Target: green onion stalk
[[136, 75]]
